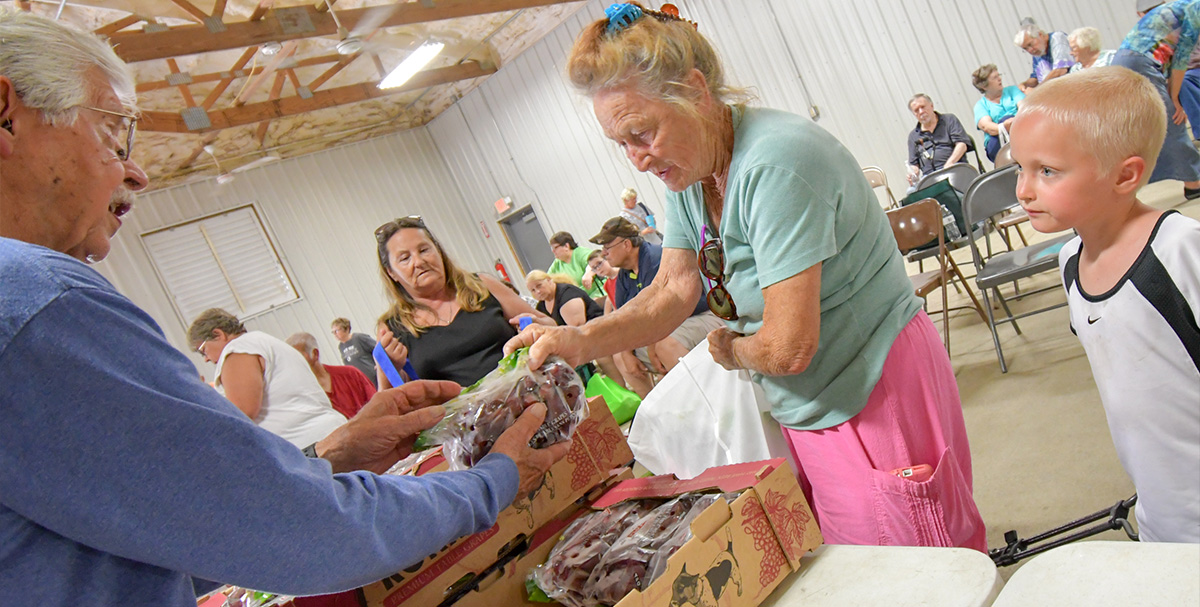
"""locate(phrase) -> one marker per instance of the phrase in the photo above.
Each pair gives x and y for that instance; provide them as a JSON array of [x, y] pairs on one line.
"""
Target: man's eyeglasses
[[385, 231], [128, 124], [612, 243], [712, 265], [200, 348]]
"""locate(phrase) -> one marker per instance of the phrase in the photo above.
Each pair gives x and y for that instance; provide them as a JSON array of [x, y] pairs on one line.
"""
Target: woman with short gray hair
[[1085, 48]]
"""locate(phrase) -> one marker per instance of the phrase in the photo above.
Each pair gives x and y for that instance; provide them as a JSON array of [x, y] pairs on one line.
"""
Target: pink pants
[[912, 417]]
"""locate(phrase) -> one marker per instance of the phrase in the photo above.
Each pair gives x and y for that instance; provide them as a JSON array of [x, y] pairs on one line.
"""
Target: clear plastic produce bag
[[564, 575], [626, 564], [478, 416]]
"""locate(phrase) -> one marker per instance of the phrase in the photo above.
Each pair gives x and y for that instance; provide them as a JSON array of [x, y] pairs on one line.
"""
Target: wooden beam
[[219, 90], [211, 137], [331, 72], [251, 113], [157, 85], [191, 39], [191, 9], [219, 9], [117, 25], [183, 88], [379, 66], [261, 9], [250, 89], [276, 89], [294, 80]]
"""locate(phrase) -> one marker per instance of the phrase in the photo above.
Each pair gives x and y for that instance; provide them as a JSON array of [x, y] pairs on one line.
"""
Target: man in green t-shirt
[[570, 259]]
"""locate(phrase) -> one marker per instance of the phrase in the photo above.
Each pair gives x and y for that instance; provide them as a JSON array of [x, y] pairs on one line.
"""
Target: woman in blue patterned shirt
[[1158, 48]]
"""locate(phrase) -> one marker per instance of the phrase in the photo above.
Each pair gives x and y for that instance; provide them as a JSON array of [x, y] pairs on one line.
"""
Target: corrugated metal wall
[[526, 134], [322, 210]]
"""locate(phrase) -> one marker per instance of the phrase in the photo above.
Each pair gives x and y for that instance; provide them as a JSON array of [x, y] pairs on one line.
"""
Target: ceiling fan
[[352, 42], [224, 177]]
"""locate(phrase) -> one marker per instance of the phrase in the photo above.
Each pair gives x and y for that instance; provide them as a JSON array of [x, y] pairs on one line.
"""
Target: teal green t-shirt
[[576, 268], [797, 197]]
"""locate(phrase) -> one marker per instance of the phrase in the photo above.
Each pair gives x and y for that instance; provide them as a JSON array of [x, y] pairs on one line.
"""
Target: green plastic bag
[[623, 402]]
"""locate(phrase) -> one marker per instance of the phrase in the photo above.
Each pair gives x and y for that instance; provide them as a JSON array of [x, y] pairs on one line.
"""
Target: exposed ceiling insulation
[[205, 80]]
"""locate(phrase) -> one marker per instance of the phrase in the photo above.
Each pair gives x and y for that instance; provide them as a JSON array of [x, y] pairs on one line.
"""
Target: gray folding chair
[[960, 176], [990, 195]]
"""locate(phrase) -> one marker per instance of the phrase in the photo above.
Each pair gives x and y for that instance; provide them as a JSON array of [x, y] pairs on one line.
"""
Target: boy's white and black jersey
[[1142, 339]]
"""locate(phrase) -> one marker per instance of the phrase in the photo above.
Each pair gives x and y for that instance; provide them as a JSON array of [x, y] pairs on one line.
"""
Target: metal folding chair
[[878, 179], [914, 226], [991, 195]]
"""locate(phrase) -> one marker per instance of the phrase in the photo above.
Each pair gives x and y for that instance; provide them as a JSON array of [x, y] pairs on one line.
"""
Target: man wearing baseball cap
[[622, 245]]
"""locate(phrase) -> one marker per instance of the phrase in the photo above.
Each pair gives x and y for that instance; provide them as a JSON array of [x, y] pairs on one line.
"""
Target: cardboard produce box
[[738, 554], [598, 448], [503, 584]]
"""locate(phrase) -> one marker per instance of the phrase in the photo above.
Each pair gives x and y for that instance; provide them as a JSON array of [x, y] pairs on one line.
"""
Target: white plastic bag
[[701, 415]]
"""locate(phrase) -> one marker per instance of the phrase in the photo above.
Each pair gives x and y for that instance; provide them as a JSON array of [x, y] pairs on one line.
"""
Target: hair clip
[[673, 11], [621, 16]]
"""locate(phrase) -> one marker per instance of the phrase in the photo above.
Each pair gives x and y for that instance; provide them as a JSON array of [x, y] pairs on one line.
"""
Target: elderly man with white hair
[[1050, 51], [124, 479]]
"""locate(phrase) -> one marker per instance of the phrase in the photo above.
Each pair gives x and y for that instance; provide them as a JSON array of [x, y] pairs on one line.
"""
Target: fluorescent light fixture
[[412, 64]]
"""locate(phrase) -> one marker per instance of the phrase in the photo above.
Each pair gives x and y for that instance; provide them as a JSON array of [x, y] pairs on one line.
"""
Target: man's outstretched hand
[[383, 432], [532, 464]]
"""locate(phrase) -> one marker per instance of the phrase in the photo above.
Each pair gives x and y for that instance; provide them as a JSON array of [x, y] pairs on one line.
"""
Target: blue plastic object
[[621, 16], [524, 322], [389, 368]]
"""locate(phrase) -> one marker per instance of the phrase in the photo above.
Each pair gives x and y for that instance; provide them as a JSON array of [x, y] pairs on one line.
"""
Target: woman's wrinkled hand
[[720, 345], [543, 341]]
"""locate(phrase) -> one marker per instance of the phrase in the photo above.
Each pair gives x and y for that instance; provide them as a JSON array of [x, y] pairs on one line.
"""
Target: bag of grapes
[[482, 412]]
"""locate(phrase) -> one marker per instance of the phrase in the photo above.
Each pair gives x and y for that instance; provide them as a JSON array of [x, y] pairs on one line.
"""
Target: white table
[[1101, 574], [891, 576]]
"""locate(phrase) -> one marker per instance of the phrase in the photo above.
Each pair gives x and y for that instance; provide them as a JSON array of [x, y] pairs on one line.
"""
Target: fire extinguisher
[[502, 271]]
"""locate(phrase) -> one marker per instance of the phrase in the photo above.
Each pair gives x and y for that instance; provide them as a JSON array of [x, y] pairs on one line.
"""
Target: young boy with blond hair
[[1084, 145]]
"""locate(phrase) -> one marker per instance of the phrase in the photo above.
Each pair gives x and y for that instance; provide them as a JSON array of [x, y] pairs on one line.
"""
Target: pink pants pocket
[[936, 512]]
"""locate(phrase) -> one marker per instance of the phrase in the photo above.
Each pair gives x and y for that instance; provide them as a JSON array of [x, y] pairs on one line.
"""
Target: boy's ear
[[1129, 175]]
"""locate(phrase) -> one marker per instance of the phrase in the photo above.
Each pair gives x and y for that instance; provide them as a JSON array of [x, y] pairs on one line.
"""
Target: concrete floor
[[1041, 448]]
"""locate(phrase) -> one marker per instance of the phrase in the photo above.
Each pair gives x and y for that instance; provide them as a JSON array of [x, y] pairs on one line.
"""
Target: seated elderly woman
[[1085, 48], [778, 216], [567, 304], [449, 323], [996, 108], [264, 377]]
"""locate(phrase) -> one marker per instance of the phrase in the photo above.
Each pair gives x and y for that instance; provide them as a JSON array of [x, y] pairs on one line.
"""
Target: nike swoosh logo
[[1092, 321]]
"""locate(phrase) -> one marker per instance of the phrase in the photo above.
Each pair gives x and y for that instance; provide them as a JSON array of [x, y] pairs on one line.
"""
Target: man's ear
[[1128, 175], [8, 107]]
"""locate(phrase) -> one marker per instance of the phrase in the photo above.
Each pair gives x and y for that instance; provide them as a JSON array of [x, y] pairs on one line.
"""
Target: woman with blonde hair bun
[[774, 214]]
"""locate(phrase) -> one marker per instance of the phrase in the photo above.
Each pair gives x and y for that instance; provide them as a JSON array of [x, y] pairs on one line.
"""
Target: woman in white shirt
[[264, 377]]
